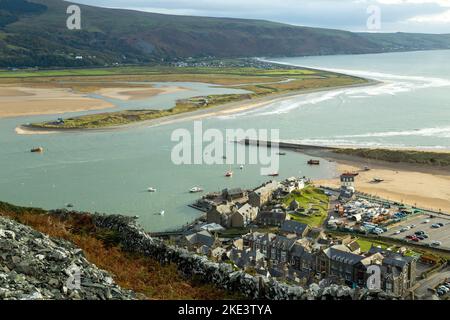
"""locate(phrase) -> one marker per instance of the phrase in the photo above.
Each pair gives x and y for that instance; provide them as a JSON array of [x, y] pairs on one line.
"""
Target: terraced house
[[308, 258]]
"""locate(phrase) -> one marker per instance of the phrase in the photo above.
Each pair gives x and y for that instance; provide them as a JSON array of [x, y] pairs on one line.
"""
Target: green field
[[310, 197], [257, 81]]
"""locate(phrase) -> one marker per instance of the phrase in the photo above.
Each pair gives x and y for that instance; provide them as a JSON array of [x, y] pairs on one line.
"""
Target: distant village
[[301, 234]]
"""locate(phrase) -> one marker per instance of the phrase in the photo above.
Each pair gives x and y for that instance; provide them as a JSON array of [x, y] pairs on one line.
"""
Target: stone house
[[243, 216], [221, 214], [294, 227], [197, 240], [235, 195], [337, 261], [271, 218], [262, 195], [399, 274]]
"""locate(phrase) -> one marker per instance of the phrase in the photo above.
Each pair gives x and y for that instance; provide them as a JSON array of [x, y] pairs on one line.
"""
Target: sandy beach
[[128, 94], [424, 187], [25, 101]]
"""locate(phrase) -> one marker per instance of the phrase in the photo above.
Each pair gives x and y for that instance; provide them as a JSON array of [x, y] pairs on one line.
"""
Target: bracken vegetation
[[141, 274]]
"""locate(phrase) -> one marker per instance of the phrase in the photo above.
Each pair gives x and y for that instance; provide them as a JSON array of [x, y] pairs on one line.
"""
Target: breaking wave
[[439, 132], [390, 84]]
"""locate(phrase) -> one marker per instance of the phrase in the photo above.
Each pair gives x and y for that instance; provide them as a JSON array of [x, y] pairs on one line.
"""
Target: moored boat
[[313, 162], [37, 150], [150, 189], [195, 190]]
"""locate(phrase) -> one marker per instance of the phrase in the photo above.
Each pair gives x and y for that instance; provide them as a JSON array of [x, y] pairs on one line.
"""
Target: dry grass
[[141, 274]]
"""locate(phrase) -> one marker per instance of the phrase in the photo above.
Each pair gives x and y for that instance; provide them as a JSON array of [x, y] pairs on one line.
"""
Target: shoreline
[[415, 185], [418, 185], [225, 109]]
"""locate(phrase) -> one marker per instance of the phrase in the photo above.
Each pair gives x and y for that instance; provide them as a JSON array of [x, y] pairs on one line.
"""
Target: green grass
[[258, 82], [367, 244], [310, 197], [401, 156]]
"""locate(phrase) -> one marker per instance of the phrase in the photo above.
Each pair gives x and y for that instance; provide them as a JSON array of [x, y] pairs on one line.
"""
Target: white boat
[[229, 174], [241, 167], [195, 190], [151, 189], [162, 212]]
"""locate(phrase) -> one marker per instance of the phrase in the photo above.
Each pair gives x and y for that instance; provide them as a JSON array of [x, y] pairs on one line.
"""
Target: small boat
[[151, 189], [241, 167], [276, 174], [195, 190], [313, 162], [377, 180], [229, 174], [37, 150], [69, 205], [281, 153], [161, 213]]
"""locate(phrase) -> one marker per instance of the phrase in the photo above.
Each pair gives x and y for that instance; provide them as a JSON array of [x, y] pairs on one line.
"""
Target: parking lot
[[419, 223]]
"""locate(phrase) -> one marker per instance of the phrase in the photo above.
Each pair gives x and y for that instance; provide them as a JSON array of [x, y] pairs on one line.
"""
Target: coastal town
[[300, 233]]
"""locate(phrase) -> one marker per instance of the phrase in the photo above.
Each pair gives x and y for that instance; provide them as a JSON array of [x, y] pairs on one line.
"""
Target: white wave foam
[[363, 144], [439, 132], [390, 84]]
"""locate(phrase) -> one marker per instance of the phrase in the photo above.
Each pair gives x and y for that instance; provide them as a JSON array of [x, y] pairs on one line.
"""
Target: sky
[[428, 16]]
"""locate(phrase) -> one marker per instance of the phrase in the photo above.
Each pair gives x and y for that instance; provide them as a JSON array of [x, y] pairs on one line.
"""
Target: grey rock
[[34, 266]]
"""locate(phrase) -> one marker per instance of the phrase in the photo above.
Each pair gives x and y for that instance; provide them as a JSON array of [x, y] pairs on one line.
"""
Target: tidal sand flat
[[127, 94], [26, 101]]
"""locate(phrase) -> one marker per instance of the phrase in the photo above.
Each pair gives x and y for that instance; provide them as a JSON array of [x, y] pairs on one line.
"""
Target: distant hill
[[34, 33]]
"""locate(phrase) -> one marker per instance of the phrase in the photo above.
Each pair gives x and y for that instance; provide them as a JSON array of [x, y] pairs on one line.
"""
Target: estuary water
[[110, 171]]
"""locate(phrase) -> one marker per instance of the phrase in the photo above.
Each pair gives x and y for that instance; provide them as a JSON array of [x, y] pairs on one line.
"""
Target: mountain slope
[[34, 33]]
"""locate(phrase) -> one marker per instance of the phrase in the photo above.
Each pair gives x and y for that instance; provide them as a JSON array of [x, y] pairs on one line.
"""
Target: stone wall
[[132, 238]]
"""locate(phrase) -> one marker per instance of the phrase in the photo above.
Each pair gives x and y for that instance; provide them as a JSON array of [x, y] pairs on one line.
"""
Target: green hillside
[[34, 33]]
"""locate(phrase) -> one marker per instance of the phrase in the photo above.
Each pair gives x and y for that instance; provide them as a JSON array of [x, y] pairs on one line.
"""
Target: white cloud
[[441, 18], [442, 3], [397, 15]]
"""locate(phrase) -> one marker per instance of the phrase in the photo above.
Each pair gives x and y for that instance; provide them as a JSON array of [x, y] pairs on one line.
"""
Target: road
[[423, 291]]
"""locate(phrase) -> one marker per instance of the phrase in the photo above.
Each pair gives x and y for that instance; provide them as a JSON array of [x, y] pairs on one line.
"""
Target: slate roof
[[202, 237], [291, 226], [283, 242], [345, 257], [397, 261], [234, 192], [280, 216]]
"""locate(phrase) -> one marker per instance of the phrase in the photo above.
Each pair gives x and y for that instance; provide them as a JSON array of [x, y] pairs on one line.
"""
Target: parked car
[[404, 229], [412, 226], [419, 233], [425, 236], [415, 239], [409, 237], [397, 232], [440, 292], [440, 224], [426, 221], [444, 288], [420, 238], [436, 243], [435, 226]]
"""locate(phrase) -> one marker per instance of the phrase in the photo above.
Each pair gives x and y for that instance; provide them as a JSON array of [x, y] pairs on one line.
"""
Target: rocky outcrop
[[35, 266]]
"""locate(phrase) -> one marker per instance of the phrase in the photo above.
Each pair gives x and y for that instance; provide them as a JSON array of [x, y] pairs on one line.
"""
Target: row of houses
[[240, 208], [335, 261], [301, 253]]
